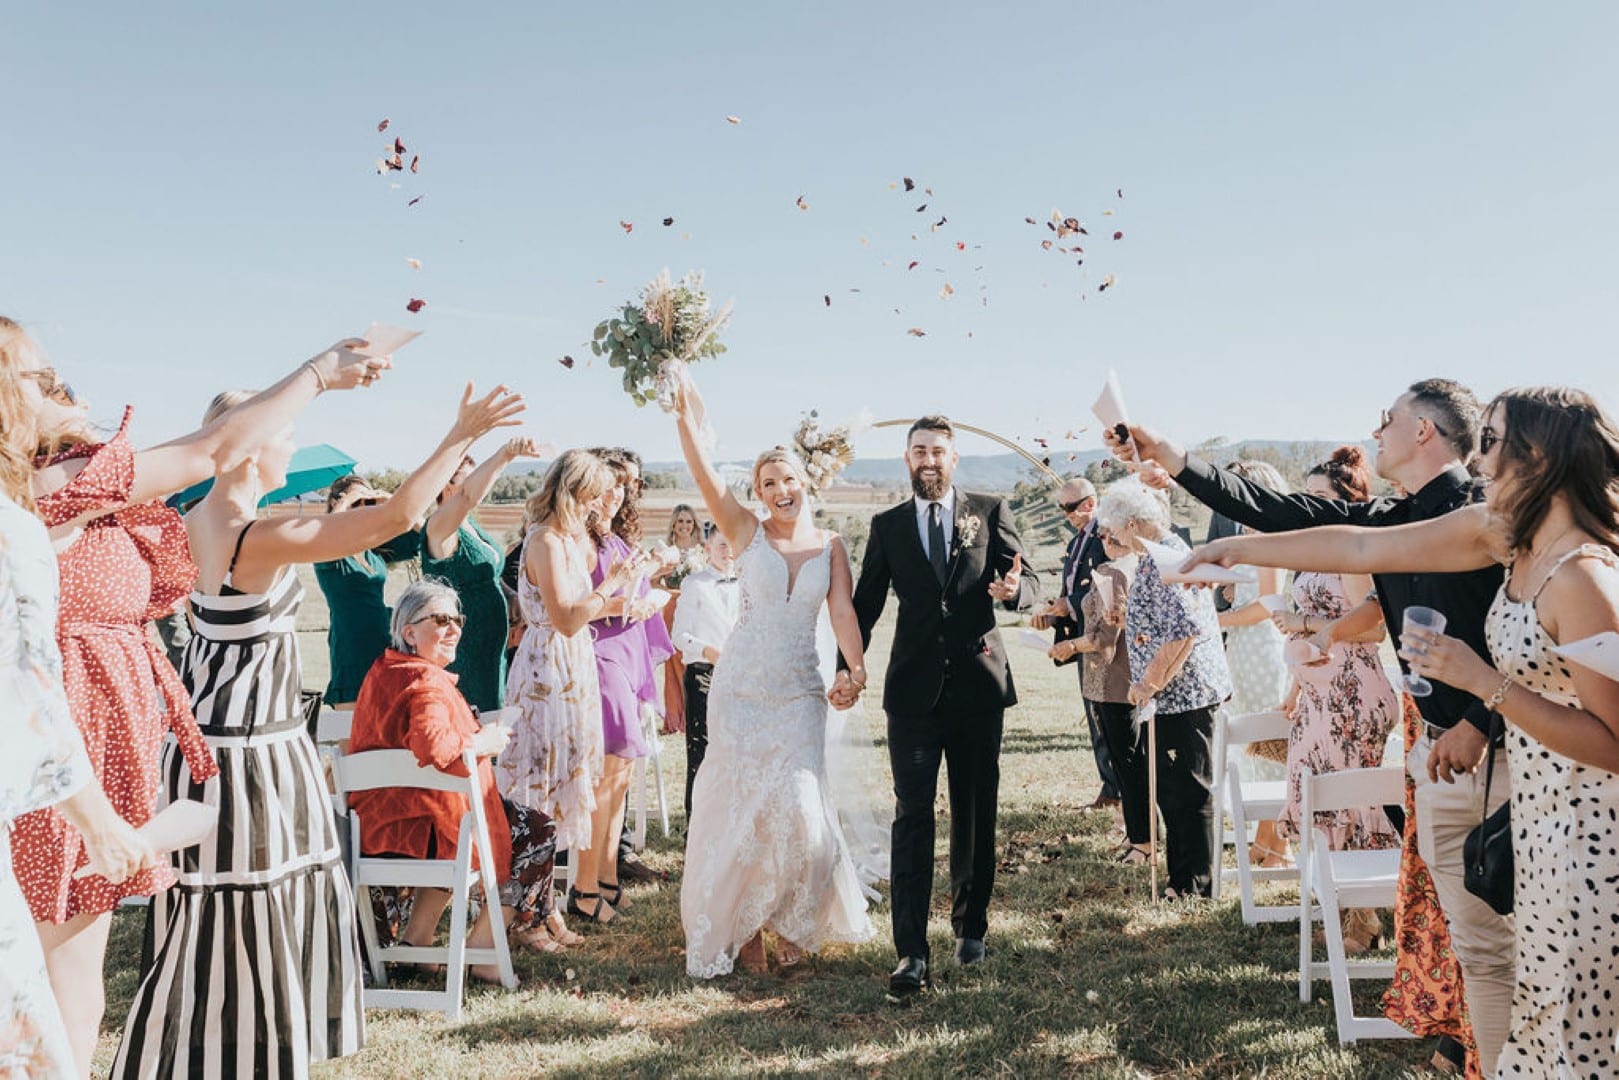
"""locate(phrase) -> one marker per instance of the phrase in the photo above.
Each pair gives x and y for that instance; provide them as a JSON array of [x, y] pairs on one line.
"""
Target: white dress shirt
[[705, 614], [947, 518]]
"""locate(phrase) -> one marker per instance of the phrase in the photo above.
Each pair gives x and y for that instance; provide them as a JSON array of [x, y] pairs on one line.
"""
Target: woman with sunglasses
[[256, 949], [411, 700], [123, 561], [1550, 457]]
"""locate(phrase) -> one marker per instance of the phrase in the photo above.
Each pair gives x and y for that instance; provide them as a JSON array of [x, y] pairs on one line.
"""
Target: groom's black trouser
[[970, 744]]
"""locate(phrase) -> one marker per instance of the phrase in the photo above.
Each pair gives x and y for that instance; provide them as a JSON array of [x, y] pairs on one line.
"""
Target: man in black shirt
[[1424, 441]]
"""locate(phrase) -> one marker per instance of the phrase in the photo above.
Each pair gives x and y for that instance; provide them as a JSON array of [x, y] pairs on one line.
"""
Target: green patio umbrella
[[312, 468]]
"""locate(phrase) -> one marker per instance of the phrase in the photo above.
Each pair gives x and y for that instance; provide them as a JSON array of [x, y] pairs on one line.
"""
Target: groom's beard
[[930, 488]]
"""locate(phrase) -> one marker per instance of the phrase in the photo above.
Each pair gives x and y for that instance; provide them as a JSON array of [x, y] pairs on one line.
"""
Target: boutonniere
[[967, 527]]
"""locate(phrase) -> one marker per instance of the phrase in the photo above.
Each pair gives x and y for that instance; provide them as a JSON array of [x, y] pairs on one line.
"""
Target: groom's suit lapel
[[958, 544]]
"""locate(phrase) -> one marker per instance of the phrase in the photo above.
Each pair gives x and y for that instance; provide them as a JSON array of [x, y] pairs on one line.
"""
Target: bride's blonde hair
[[779, 455]]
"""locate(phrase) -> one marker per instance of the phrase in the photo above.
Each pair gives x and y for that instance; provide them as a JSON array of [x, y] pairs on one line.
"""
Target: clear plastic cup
[[1424, 618]]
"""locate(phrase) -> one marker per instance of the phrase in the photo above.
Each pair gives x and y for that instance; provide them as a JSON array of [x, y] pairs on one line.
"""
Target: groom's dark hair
[[932, 422]]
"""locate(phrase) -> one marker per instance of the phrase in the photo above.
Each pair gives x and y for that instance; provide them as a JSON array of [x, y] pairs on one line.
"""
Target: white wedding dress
[[764, 848]]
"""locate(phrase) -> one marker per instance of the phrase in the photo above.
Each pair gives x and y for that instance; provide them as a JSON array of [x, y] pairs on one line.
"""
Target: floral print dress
[[1346, 709], [44, 762], [555, 756]]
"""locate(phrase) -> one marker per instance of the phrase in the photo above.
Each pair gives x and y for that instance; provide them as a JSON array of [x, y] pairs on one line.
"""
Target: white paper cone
[[1109, 408], [382, 340], [1599, 653]]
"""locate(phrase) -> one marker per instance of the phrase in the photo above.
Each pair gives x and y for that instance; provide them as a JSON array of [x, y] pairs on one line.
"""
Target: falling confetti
[[1107, 283], [1120, 193], [415, 264], [382, 125], [668, 221], [414, 201], [627, 226], [921, 208], [961, 245], [415, 305], [800, 203], [733, 120], [947, 292], [828, 298], [416, 163], [1045, 245], [567, 362], [912, 266], [916, 331], [1119, 235], [1031, 221], [910, 185], [399, 145]]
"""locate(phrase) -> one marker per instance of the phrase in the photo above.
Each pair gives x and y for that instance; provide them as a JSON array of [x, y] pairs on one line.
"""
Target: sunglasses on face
[[1388, 418], [1488, 438], [1070, 507], [52, 386], [442, 620]]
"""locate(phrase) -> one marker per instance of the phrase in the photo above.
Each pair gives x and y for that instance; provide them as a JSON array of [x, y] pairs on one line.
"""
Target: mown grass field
[[1086, 977]]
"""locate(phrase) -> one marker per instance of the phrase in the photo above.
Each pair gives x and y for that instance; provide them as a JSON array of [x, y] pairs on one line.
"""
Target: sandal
[[614, 894], [602, 913], [536, 939], [559, 930], [1134, 855]]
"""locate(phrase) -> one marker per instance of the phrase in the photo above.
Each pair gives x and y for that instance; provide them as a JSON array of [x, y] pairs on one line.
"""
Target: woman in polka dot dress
[[1551, 456], [124, 560]]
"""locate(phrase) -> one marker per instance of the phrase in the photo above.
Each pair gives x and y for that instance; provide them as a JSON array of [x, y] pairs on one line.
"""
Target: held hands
[[1005, 588], [845, 691], [490, 740], [116, 852], [478, 416], [341, 368]]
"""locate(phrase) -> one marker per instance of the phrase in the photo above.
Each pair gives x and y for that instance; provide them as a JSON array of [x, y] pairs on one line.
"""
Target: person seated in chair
[[410, 702]]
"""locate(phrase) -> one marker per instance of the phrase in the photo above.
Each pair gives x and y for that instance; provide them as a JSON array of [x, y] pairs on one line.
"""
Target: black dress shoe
[[909, 979], [635, 870], [969, 950]]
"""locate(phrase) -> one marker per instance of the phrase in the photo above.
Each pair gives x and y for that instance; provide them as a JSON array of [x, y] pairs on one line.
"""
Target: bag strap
[[1489, 765]]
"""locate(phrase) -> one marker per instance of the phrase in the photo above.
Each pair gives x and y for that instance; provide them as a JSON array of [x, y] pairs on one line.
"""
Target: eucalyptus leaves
[[654, 338]]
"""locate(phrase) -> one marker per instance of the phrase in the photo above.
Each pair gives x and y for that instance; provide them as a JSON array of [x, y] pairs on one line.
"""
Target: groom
[[948, 555]]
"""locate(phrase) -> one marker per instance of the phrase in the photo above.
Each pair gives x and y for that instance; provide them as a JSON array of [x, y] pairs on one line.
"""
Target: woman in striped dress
[[252, 964]]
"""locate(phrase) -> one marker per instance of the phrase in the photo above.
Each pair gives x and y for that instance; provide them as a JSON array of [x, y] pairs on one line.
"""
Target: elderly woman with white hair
[[1176, 662], [410, 702]]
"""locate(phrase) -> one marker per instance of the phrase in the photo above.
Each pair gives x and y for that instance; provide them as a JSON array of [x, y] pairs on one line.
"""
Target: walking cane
[[1148, 714]]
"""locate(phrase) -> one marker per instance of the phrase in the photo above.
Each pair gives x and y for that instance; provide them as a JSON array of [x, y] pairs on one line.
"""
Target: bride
[[764, 849]]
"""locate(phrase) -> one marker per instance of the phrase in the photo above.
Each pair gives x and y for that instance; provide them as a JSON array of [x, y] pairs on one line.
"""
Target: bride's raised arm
[[736, 521]]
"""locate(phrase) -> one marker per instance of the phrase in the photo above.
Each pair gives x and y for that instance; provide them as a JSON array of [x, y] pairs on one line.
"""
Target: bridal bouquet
[[824, 453], [690, 561], [657, 335]]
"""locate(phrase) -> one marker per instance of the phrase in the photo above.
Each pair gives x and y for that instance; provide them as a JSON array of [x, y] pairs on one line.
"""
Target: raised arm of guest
[[459, 500]]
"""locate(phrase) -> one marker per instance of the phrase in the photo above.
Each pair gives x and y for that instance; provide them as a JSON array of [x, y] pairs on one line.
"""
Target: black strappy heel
[[603, 912]]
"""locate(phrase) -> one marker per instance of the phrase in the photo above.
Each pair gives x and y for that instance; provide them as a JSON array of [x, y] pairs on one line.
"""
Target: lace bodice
[[775, 629]]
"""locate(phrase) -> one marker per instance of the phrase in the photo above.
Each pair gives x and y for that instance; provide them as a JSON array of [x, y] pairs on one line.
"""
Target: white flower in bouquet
[[824, 453], [654, 337]]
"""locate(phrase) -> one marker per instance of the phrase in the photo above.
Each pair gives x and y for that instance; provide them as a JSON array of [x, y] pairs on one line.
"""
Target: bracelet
[[1305, 621], [320, 380], [1497, 699]]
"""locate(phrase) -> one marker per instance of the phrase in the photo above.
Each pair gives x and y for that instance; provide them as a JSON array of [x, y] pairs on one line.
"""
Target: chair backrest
[[1257, 727], [504, 717], [334, 726], [372, 769], [1351, 789]]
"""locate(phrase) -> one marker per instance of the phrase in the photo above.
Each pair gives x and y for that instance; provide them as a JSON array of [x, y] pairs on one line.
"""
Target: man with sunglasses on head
[[1424, 442], [1076, 498]]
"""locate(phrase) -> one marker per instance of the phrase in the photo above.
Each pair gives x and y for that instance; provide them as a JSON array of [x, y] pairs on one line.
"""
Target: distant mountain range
[[995, 472]]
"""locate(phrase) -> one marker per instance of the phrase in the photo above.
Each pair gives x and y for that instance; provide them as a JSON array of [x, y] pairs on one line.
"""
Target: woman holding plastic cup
[[1551, 459]]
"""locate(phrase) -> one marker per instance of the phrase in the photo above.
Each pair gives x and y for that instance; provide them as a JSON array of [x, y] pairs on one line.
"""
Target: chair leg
[[638, 802], [456, 970], [656, 766]]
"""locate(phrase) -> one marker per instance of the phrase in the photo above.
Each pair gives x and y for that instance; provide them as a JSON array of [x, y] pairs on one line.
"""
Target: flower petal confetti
[[917, 331], [668, 221], [828, 298], [382, 125], [399, 145], [733, 120], [1119, 235], [910, 185], [415, 264], [800, 203], [961, 245], [627, 226], [912, 266], [414, 201], [1107, 283], [947, 292], [416, 163], [415, 305], [567, 362]]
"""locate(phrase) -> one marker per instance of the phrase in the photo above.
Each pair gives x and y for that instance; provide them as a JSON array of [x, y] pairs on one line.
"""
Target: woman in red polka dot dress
[[124, 560]]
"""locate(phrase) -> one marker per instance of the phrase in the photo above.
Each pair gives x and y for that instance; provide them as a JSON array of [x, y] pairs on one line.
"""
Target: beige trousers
[[1483, 940]]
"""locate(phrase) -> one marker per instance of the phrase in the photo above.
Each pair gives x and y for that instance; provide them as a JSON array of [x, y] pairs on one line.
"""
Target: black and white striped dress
[[252, 962]]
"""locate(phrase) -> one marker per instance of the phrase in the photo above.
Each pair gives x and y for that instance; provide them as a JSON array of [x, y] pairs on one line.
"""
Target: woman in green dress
[[456, 549], [353, 588]]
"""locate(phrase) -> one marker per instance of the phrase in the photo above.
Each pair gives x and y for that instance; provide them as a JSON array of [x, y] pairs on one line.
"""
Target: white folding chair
[[1334, 881], [372, 769], [1249, 802], [652, 763]]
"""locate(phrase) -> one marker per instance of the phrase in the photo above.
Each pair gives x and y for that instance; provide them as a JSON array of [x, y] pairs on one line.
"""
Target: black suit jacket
[[943, 630], [1089, 555]]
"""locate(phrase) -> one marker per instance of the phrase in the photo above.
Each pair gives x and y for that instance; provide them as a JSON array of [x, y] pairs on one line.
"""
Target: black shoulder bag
[[1488, 849]]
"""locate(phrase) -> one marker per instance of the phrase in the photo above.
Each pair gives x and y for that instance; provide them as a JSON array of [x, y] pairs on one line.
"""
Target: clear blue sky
[[1321, 204]]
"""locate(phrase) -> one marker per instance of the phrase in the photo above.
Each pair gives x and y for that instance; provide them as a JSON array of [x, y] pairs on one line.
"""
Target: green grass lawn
[[1085, 977]]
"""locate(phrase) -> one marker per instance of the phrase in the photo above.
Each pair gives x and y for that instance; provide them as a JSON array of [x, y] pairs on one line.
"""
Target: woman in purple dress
[[629, 648]]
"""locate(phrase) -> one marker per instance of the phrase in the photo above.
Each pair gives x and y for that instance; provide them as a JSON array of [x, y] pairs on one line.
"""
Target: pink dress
[[1346, 709]]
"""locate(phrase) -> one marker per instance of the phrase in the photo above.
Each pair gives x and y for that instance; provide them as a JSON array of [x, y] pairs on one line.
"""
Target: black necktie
[[936, 552]]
